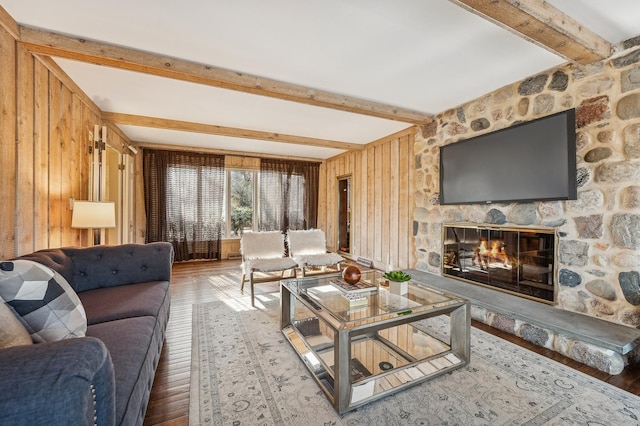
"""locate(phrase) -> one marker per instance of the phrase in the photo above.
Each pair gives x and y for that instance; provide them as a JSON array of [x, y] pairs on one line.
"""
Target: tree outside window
[[241, 201]]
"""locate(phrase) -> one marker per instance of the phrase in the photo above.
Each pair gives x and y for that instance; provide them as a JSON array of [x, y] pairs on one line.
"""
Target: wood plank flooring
[[169, 400]]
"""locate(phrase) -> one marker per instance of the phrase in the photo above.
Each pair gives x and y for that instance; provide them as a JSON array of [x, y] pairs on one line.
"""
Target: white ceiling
[[425, 55]]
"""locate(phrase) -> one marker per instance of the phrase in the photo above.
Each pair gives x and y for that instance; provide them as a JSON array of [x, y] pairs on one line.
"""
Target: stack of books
[[356, 299], [357, 294]]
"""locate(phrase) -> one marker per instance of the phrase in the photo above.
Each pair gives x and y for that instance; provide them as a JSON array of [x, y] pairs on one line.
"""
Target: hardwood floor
[[169, 401]]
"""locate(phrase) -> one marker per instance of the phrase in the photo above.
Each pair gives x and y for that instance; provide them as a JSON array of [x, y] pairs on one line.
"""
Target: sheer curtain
[[184, 200], [288, 196]]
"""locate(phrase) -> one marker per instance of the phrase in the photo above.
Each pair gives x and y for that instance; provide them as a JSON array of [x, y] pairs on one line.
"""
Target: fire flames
[[494, 256]]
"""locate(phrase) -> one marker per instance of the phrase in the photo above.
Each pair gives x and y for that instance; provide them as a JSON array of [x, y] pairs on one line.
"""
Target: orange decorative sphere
[[351, 274]]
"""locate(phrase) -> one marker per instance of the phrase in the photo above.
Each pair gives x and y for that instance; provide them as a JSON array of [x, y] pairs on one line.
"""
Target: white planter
[[399, 288]]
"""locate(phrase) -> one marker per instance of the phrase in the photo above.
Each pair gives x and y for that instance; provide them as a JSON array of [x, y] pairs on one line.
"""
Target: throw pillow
[[44, 300], [12, 332]]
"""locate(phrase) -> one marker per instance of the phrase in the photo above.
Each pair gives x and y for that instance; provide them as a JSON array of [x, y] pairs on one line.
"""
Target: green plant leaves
[[397, 276]]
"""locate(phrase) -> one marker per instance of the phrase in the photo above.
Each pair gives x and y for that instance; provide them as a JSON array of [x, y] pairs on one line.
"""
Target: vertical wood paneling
[[355, 206], [405, 203], [360, 221], [377, 204], [410, 183], [381, 200], [394, 203], [41, 157], [386, 206], [7, 143], [371, 194], [79, 165], [68, 167], [44, 136], [25, 158], [322, 197], [141, 223], [55, 165], [331, 211]]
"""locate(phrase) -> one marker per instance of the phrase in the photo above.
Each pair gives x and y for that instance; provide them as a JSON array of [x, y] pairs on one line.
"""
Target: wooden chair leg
[[253, 302], [242, 282]]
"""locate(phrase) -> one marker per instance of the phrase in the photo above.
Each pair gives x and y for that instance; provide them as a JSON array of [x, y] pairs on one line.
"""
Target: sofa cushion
[[44, 300], [125, 301], [12, 332], [129, 342]]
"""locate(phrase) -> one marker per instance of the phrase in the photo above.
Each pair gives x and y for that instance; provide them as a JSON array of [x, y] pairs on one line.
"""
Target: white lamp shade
[[93, 214]]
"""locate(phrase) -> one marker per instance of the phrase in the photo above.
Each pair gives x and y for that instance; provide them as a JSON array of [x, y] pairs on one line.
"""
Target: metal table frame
[[341, 394]]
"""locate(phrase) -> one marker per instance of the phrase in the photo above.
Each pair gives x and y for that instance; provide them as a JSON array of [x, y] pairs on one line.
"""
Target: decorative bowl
[[351, 274]]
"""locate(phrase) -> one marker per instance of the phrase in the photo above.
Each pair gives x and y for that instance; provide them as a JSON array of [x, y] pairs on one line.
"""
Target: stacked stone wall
[[599, 233]]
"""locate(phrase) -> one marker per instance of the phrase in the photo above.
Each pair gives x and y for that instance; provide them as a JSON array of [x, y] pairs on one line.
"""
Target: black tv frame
[[530, 161]]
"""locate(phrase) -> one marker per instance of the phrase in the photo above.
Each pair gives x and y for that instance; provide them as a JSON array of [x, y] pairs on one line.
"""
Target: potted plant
[[398, 281]]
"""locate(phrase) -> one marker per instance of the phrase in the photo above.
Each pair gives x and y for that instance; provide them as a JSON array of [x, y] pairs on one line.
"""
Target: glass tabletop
[[374, 300]]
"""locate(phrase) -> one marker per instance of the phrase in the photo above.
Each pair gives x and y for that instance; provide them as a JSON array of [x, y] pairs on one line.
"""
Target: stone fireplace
[[598, 234], [519, 261]]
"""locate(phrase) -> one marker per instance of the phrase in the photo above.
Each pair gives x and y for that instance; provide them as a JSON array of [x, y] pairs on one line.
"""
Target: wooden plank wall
[[44, 149], [381, 201], [7, 142]]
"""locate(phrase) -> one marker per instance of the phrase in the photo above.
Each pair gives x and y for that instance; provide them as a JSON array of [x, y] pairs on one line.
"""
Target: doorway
[[344, 214]]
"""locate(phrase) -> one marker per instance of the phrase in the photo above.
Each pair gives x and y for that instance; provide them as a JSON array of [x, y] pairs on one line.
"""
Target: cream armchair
[[263, 252], [309, 249]]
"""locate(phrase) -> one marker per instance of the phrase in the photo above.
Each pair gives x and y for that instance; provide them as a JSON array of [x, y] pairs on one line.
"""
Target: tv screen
[[531, 161]]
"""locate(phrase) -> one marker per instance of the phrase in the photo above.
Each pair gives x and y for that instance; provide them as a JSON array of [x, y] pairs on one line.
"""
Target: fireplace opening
[[515, 260]]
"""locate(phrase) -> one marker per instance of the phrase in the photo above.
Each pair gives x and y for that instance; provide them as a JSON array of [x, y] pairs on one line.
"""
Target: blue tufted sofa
[[104, 378]]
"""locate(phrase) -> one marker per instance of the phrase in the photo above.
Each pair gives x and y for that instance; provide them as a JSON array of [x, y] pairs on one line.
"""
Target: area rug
[[244, 372]]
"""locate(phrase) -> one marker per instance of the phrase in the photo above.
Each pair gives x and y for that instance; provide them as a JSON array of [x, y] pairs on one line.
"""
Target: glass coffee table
[[363, 350]]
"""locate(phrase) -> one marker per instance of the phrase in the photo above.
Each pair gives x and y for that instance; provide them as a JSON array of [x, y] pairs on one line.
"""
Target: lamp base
[[97, 233]]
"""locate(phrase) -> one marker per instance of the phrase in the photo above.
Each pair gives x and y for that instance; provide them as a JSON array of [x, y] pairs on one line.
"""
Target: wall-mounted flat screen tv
[[530, 161]]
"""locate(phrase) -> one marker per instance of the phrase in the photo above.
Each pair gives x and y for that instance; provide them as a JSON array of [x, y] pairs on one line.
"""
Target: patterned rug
[[244, 372]]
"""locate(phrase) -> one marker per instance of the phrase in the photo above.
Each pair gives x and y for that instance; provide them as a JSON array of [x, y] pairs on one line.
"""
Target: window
[[288, 194], [278, 197], [184, 198], [192, 201], [240, 201]]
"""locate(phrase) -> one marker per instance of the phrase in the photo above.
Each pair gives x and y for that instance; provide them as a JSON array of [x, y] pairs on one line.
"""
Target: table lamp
[[94, 215]]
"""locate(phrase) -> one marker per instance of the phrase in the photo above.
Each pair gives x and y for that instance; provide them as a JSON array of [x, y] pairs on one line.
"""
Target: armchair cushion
[[262, 245], [264, 252], [306, 242], [325, 259], [268, 265], [309, 248]]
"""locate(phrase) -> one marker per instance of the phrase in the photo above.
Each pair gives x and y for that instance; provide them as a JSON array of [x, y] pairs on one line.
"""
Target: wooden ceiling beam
[[169, 147], [212, 129], [544, 25], [9, 24], [64, 46]]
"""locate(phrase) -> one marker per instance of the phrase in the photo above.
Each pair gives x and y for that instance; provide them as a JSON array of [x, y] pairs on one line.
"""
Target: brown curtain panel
[[288, 196], [184, 200]]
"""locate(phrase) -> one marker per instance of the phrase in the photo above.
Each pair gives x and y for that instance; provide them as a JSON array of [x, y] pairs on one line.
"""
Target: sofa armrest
[[66, 382]]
